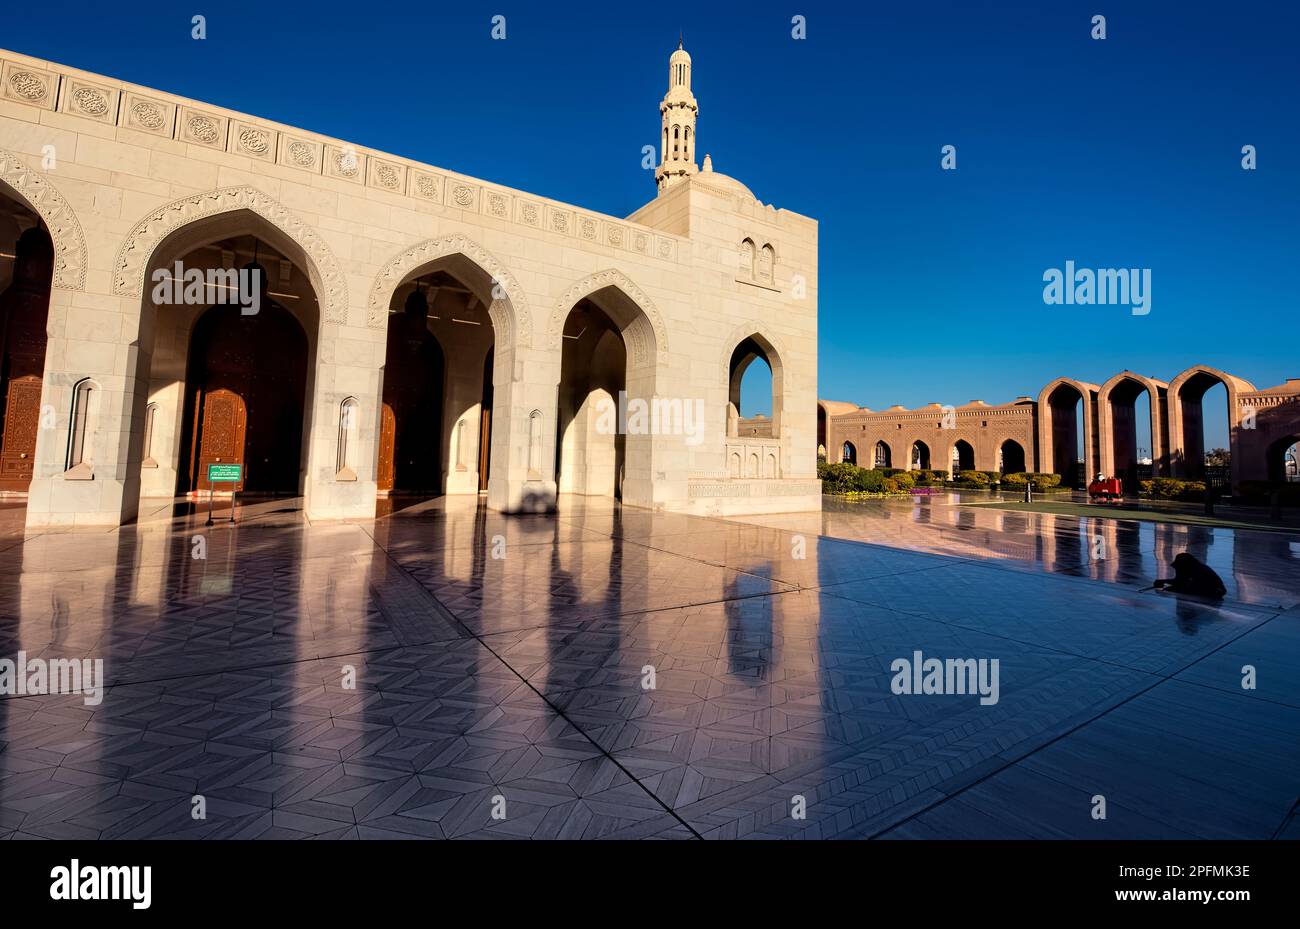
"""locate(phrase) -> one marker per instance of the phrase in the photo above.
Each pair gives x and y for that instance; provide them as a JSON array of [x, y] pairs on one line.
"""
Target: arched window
[[345, 464], [84, 425], [686, 143], [747, 258], [883, 455], [754, 389], [535, 445], [849, 453], [766, 264]]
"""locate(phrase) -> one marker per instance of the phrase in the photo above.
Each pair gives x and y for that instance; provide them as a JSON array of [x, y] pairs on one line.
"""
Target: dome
[[723, 181]]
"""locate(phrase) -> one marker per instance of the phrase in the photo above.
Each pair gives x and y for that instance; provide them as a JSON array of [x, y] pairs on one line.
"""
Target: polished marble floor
[[611, 672]]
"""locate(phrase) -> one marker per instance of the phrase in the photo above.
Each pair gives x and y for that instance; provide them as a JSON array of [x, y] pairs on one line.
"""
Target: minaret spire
[[678, 111]]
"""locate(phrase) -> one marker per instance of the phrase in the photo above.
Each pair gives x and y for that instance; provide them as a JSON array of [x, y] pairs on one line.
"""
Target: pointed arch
[[507, 307], [1186, 400], [647, 336], [32, 188], [1118, 394], [322, 267]]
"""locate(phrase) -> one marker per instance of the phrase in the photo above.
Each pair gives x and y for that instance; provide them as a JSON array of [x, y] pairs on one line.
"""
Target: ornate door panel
[[221, 438], [22, 417], [387, 442]]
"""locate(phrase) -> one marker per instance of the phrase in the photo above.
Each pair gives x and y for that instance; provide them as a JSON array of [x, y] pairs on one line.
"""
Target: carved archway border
[[65, 230], [599, 281], [510, 317], [752, 328], [322, 267]]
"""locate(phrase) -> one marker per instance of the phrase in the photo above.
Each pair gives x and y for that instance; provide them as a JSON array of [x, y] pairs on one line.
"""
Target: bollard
[[1029, 491]]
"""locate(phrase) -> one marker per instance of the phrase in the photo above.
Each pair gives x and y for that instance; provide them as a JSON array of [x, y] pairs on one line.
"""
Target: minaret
[[679, 109]]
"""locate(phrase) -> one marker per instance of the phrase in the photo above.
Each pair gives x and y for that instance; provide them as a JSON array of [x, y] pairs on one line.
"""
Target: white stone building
[[420, 331]]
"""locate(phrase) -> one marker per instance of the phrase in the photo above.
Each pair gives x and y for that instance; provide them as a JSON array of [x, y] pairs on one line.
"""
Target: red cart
[[1106, 488]]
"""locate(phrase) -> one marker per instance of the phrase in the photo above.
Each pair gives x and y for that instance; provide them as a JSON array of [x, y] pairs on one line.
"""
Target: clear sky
[[1117, 153]]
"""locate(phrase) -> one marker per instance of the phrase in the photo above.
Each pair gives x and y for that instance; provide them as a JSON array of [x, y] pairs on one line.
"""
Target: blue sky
[[1115, 153]]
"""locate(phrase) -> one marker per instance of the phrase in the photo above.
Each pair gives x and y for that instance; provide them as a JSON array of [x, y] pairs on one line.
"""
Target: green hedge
[[1018, 479], [845, 478], [1168, 488]]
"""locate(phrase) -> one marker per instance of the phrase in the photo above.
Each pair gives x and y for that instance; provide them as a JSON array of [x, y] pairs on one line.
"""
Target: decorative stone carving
[[30, 85], [665, 248], [386, 175], [428, 186], [300, 153], [90, 101], [559, 221], [69, 241], [322, 268], [529, 214], [640, 241], [464, 196], [147, 115], [587, 228], [346, 163], [254, 140], [614, 235], [497, 206], [638, 343], [202, 129], [511, 319]]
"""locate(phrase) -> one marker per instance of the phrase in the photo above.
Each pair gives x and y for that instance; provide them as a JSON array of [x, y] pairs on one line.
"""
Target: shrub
[[1018, 479], [926, 477], [1168, 488], [979, 478], [845, 478], [903, 479]]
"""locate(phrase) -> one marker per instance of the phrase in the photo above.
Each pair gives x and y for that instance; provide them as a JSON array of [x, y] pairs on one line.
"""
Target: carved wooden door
[[22, 418], [221, 441], [387, 471]]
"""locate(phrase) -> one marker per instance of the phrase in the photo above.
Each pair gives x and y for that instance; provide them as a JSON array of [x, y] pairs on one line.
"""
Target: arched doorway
[[920, 456], [26, 274], [753, 389], [436, 415], [1011, 457], [591, 442], [1065, 431], [963, 457], [245, 388], [1284, 460], [225, 380], [1204, 416], [883, 457], [609, 350], [1129, 414], [849, 453], [410, 426]]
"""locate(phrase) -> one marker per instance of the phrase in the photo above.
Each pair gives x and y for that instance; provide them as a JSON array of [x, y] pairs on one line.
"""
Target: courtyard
[[447, 671]]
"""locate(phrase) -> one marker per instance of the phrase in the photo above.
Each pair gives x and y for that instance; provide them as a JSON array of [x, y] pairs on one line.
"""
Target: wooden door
[[387, 470], [484, 447], [22, 417], [224, 419]]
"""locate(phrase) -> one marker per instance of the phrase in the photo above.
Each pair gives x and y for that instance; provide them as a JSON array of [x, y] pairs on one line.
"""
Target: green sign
[[224, 473]]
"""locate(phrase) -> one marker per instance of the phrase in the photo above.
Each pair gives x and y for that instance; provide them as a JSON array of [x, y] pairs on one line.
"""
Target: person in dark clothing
[[1192, 576]]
